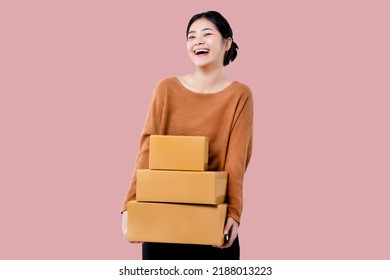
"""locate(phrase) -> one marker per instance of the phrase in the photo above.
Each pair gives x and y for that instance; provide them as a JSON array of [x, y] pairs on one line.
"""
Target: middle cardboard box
[[207, 187]]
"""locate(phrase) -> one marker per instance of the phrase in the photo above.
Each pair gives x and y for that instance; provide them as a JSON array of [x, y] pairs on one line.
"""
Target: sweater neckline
[[232, 84]]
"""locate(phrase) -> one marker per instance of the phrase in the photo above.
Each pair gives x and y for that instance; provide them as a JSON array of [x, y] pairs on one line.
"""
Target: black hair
[[223, 27]]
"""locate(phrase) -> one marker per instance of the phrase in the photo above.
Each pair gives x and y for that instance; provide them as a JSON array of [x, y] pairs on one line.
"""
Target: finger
[[225, 238], [228, 225], [229, 240], [228, 244], [124, 223], [231, 237]]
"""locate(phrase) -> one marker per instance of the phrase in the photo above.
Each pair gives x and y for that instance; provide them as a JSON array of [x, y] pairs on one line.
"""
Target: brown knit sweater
[[226, 117]]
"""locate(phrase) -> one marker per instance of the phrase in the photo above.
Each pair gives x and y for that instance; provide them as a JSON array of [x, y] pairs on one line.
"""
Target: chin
[[203, 64]]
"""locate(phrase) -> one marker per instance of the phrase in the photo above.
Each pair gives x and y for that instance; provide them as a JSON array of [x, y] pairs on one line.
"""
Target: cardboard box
[[178, 152], [208, 187], [175, 223]]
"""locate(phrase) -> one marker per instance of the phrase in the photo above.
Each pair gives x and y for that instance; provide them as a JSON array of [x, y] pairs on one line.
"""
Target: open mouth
[[201, 51]]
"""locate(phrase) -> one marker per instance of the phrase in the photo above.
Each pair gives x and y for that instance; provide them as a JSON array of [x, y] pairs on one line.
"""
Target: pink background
[[76, 79]]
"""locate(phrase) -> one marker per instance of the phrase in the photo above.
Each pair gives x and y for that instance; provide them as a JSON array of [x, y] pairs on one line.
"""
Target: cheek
[[189, 47], [216, 44]]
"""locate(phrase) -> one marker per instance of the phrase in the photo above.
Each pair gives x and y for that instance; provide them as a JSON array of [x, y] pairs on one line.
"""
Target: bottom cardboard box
[[176, 223]]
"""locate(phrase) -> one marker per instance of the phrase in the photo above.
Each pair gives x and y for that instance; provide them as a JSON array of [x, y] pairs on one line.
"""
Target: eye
[[190, 37], [208, 34]]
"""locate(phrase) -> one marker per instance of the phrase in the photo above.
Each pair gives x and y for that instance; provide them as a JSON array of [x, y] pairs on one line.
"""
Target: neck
[[207, 79]]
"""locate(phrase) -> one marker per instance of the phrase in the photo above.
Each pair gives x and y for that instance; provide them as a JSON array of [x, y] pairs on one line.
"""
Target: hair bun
[[231, 54]]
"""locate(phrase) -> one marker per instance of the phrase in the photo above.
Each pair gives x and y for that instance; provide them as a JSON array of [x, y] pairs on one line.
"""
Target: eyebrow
[[204, 29]]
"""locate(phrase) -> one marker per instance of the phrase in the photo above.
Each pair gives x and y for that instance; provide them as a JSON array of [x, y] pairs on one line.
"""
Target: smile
[[201, 51]]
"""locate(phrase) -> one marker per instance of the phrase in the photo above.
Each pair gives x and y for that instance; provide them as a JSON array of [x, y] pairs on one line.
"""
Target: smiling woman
[[219, 27], [203, 103]]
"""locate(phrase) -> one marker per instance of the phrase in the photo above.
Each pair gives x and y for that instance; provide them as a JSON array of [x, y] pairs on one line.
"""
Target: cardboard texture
[[176, 223], [196, 187], [169, 152]]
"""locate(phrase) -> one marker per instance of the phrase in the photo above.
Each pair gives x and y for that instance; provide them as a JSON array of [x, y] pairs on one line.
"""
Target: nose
[[198, 41]]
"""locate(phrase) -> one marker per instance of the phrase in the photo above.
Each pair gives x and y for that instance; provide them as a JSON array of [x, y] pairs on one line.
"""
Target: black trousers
[[169, 251]]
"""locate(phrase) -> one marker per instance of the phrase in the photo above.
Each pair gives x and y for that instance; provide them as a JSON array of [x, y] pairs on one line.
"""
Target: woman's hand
[[124, 223], [124, 226], [231, 230]]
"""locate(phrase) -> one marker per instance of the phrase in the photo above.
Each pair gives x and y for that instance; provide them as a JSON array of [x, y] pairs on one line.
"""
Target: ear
[[228, 43]]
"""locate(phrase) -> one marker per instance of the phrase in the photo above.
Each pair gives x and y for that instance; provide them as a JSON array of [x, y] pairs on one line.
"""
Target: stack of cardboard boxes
[[177, 200]]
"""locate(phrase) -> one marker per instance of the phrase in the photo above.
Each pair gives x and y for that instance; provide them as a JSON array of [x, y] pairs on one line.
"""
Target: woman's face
[[205, 45]]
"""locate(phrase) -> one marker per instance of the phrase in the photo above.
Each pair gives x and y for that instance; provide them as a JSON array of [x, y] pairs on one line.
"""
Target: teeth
[[201, 51]]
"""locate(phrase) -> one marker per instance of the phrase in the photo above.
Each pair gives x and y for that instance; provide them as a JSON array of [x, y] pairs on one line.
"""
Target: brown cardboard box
[[176, 223], [208, 187], [178, 152]]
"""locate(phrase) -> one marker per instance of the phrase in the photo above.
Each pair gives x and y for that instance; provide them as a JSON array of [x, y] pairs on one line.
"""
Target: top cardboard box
[[168, 152]]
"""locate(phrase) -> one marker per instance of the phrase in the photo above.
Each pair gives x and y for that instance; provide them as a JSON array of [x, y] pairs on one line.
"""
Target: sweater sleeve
[[239, 154], [151, 127]]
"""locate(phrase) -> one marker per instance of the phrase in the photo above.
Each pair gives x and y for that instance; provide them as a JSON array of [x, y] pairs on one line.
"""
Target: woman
[[204, 103]]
